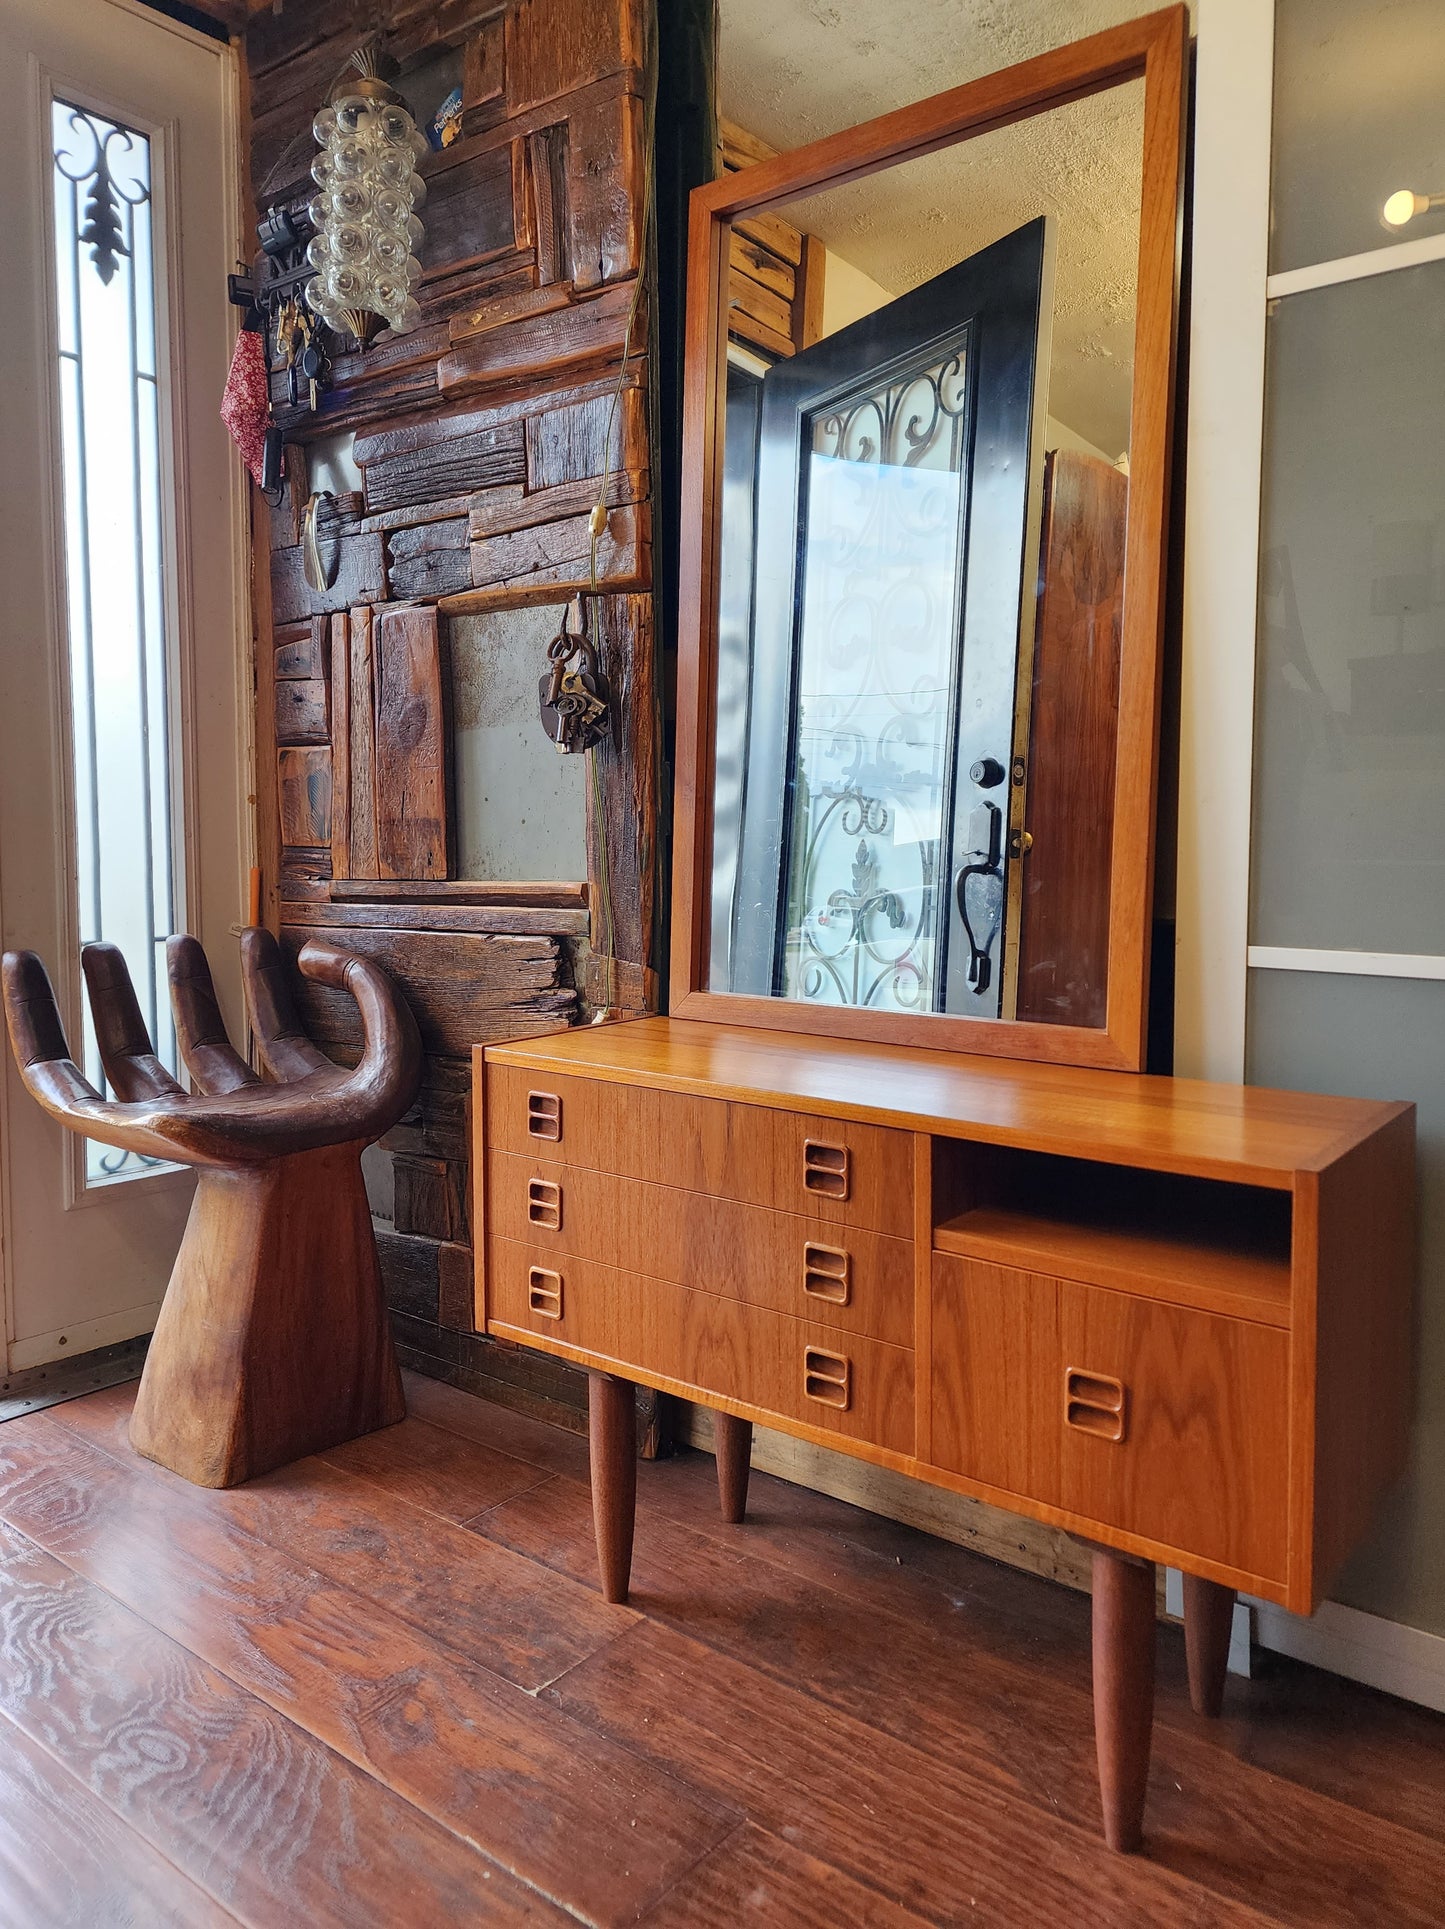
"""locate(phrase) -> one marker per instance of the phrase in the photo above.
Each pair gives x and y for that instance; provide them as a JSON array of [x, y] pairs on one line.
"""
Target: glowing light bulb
[[1403, 205]]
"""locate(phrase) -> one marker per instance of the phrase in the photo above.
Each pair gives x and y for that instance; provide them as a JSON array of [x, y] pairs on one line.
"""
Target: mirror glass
[[920, 589]]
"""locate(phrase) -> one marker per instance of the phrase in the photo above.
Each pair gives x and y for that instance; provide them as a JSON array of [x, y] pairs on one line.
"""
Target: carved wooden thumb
[[273, 1339]]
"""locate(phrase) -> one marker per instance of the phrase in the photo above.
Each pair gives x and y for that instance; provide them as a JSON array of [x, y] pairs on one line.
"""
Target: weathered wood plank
[[340, 647], [760, 305], [301, 650], [303, 779], [305, 874], [462, 987], [429, 1198], [622, 834], [495, 511], [445, 460], [503, 920], [769, 232], [556, 46], [498, 310], [559, 552], [413, 744], [429, 560], [604, 204], [302, 711], [762, 265], [536, 347], [571, 444], [362, 757], [414, 515], [359, 576], [470, 214]]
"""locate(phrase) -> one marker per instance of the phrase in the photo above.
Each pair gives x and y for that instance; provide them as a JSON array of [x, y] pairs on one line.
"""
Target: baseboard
[[86, 1336], [1403, 1661]]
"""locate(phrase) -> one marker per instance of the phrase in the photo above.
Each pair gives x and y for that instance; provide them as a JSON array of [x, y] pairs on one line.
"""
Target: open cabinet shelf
[[1209, 1244]]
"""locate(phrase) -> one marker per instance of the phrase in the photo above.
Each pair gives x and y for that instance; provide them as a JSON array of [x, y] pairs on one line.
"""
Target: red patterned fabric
[[245, 406]]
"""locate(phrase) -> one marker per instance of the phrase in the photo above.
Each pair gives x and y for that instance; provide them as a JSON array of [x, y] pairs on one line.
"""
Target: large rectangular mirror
[[930, 373]]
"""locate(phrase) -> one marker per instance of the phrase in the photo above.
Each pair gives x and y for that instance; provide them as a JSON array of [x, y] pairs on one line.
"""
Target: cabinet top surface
[[1172, 1124]]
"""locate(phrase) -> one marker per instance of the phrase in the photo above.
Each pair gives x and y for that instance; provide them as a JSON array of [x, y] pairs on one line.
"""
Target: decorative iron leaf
[[102, 230]]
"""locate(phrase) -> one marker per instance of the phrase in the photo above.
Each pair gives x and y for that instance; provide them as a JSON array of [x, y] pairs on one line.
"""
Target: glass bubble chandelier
[[367, 235]]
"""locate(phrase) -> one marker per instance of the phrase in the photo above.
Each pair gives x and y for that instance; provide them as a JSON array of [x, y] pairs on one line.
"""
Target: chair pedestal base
[[273, 1340]]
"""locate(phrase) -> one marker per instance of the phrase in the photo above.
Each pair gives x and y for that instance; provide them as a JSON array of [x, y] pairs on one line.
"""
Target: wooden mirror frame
[[1152, 48]]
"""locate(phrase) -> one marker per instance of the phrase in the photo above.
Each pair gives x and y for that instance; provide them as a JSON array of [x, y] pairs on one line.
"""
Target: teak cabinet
[[1171, 1317]]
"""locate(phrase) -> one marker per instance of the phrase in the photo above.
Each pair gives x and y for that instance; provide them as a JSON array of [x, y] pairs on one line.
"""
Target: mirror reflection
[[925, 481]]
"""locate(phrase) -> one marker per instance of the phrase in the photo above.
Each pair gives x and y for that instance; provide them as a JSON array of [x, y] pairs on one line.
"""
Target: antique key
[[574, 697]]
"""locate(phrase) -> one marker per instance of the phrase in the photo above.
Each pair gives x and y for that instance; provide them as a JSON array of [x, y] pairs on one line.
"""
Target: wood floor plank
[[978, 1713], [550, 1448], [754, 1877], [474, 1596], [951, 1847], [169, 1753], [593, 1825], [66, 1860], [433, 1469], [1335, 1738]]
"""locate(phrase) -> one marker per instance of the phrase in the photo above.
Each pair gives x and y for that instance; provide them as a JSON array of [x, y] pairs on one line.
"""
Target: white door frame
[[1231, 289], [214, 846]]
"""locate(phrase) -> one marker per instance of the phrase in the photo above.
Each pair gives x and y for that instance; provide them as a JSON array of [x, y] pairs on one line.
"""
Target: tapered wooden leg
[[732, 1442], [1208, 1623], [612, 1437], [1123, 1690]]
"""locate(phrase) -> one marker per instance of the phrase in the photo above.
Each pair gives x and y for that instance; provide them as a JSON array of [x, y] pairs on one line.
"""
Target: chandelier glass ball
[[364, 250]]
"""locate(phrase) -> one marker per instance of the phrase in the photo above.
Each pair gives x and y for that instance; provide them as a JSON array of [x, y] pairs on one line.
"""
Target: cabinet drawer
[[1150, 1418], [704, 1343], [830, 1169], [834, 1275]]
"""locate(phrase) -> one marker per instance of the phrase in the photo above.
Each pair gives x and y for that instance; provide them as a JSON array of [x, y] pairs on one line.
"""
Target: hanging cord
[[597, 520]]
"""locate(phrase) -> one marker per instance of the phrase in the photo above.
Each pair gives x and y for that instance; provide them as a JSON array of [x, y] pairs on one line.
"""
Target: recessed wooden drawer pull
[[1094, 1403], [827, 1273], [544, 1115], [544, 1292], [827, 1377], [825, 1168], [544, 1204]]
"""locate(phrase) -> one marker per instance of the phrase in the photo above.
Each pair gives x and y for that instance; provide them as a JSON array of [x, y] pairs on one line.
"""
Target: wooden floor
[[380, 1687]]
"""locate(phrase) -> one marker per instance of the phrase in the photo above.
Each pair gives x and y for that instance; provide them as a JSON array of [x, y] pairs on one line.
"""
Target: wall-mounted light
[[367, 233], [1404, 204]]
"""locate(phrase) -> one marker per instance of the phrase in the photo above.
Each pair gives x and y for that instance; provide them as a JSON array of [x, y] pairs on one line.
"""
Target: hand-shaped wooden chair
[[273, 1339]]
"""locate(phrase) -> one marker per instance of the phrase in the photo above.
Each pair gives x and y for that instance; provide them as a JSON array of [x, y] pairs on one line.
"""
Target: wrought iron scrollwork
[[107, 230]]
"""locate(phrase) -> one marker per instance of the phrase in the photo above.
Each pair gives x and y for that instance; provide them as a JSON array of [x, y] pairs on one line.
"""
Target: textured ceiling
[[793, 70]]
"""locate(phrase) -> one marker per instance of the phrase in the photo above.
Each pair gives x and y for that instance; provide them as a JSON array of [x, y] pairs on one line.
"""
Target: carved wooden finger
[[285, 1049], [389, 1075], [126, 1050], [51, 1075], [214, 1062]]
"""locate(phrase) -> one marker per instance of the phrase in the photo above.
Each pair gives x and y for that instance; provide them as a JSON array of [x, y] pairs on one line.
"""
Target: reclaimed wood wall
[[481, 440]]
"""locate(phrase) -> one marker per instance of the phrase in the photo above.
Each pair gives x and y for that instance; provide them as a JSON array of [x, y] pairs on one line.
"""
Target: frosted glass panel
[[1350, 731], [116, 624], [1357, 116], [521, 805], [869, 782], [1381, 1038]]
